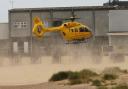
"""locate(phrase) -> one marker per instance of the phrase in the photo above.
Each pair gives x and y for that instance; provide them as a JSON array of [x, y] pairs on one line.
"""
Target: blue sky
[[5, 5]]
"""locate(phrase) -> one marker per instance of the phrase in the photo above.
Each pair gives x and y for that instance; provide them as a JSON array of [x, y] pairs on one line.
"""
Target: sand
[[26, 73]]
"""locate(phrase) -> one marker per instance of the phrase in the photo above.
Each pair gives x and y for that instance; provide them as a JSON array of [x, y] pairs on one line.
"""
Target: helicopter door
[[76, 31]]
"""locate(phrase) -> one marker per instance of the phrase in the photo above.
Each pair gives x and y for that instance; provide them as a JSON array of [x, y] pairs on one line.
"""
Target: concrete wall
[[62, 14], [119, 40], [119, 44], [18, 19], [118, 20], [101, 23], [4, 39], [4, 31]]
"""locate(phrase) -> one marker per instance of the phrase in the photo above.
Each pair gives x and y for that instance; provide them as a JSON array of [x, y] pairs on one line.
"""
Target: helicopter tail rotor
[[39, 28]]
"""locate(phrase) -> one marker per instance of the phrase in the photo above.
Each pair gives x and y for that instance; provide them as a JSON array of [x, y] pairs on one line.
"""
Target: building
[[4, 39], [116, 2], [100, 19], [21, 23]]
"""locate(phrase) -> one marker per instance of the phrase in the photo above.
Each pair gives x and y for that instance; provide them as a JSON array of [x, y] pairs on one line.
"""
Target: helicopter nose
[[87, 29]]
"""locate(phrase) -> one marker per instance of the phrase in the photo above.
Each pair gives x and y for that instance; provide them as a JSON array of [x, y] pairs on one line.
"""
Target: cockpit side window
[[84, 29], [72, 30], [76, 30]]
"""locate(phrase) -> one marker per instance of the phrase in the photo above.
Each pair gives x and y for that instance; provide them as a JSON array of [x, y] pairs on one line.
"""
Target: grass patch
[[121, 87], [74, 78], [96, 83], [102, 87], [82, 76], [110, 77], [88, 77], [60, 76], [75, 81]]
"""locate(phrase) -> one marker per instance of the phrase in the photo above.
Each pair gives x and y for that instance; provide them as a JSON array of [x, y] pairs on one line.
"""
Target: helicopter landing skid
[[76, 42]]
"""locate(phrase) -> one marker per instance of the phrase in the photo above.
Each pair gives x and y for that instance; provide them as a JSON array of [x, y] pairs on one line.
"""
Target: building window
[[20, 25]]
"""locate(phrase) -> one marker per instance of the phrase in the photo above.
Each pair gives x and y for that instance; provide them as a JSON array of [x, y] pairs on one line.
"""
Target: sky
[[5, 5]]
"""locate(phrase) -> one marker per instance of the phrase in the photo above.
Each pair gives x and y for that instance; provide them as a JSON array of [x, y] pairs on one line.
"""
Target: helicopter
[[71, 31]]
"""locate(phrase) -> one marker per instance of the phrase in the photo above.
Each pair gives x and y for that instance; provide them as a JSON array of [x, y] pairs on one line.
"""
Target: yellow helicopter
[[71, 31]]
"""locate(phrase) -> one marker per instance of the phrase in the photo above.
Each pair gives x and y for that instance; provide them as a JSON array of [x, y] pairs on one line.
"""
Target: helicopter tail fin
[[39, 28]]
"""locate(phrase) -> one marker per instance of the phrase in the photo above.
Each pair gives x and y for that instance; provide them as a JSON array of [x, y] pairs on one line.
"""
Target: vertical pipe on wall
[[72, 11], [10, 42], [31, 41], [51, 16], [51, 13]]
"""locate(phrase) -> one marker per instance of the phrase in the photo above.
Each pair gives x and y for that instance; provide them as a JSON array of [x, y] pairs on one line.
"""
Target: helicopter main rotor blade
[[62, 19]]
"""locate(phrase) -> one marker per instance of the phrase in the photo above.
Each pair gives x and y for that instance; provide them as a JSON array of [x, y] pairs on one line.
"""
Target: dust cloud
[[52, 57]]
